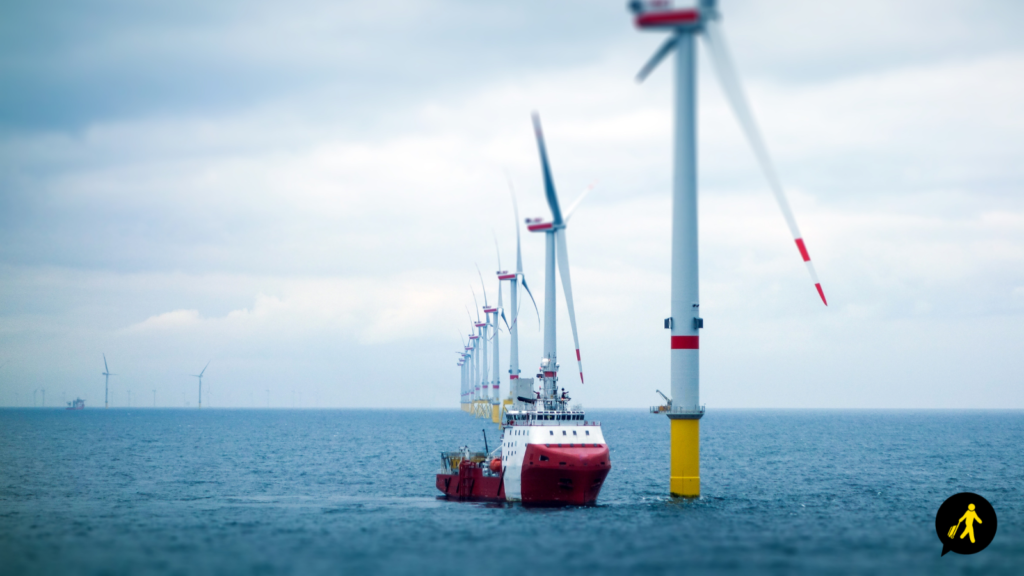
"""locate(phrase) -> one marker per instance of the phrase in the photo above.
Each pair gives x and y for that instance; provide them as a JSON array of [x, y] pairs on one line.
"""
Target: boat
[[77, 404], [550, 454], [547, 457]]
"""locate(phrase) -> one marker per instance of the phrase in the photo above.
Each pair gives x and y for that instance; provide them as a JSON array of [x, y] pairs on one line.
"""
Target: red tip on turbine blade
[[581, 377], [821, 293], [803, 249], [578, 355]]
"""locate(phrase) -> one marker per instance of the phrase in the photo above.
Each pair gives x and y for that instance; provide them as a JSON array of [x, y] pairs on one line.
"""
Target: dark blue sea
[[144, 491]]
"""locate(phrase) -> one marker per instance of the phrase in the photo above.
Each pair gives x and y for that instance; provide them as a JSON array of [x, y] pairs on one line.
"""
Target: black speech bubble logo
[[965, 523]]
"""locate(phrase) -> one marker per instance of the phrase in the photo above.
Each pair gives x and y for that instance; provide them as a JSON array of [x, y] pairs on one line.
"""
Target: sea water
[[151, 491]]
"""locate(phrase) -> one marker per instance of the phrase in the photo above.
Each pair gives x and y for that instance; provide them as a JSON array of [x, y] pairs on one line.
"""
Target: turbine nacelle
[[538, 225], [490, 311], [661, 14]]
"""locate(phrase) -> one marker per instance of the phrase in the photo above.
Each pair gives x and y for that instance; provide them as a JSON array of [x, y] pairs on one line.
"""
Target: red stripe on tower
[[686, 342], [803, 249]]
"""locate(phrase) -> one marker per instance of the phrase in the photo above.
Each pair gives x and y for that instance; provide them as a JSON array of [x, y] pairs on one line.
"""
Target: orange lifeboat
[[495, 465]]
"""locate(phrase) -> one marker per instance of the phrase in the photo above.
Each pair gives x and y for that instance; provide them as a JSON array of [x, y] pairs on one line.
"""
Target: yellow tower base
[[684, 468]]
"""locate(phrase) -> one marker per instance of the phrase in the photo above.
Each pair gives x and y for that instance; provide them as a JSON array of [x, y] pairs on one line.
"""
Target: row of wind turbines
[[106, 383], [685, 24], [481, 380]]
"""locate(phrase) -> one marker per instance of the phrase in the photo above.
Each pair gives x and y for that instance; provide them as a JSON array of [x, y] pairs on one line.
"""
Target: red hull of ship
[[471, 485], [552, 476], [564, 475]]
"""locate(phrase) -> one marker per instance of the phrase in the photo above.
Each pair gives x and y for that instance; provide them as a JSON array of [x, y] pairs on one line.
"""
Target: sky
[[300, 193]]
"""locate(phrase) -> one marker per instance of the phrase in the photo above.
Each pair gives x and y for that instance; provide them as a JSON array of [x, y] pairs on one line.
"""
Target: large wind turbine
[[555, 244], [106, 382], [685, 24], [200, 376], [515, 279]]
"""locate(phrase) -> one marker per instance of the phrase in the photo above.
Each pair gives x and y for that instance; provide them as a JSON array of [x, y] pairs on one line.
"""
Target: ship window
[[544, 458], [588, 432], [563, 432], [551, 432], [573, 432]]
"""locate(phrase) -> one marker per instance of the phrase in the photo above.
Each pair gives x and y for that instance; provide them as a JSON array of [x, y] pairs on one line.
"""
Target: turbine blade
[[506, 320], [577, 201], [549, 184], [515, 211], [734, 93], [562, 253], [535, 308], [482, 285], [105, 368], [203, 371], [476, 305], [656, 59]]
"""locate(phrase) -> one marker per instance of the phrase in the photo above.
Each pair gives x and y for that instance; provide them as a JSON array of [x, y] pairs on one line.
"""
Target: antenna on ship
[[200, 376], [684, 25], [106, 382]]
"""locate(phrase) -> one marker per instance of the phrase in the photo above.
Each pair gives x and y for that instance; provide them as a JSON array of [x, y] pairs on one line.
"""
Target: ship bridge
[[547, 418]]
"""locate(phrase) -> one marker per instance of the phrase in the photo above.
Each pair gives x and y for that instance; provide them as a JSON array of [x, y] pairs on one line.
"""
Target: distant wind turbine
[[200, 376], [106, 382]]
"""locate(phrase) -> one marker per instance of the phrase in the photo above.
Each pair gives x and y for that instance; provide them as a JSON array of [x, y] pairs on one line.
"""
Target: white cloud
[[339, 237]]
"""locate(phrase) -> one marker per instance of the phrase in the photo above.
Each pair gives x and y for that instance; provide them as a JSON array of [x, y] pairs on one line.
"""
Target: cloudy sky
[[299, 192]]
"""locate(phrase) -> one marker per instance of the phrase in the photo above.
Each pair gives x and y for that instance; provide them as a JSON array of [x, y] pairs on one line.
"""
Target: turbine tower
[[106, 382], [200, 376], [555, 244], [684, 409]]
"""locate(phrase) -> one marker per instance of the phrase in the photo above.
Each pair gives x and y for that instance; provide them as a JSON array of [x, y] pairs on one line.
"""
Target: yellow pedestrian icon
[[968, 518]]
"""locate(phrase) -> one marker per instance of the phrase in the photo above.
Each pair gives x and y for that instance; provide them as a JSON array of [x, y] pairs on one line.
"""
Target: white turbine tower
[[555, 247], [685, 24], [200, 376], [106, 382]]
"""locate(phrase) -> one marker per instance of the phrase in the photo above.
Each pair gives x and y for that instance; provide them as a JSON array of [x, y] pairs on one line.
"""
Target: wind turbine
[[515, 278], [200, 376], [685, 24], [106, 382], [495, 375], [481, 330], [555, 247]]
